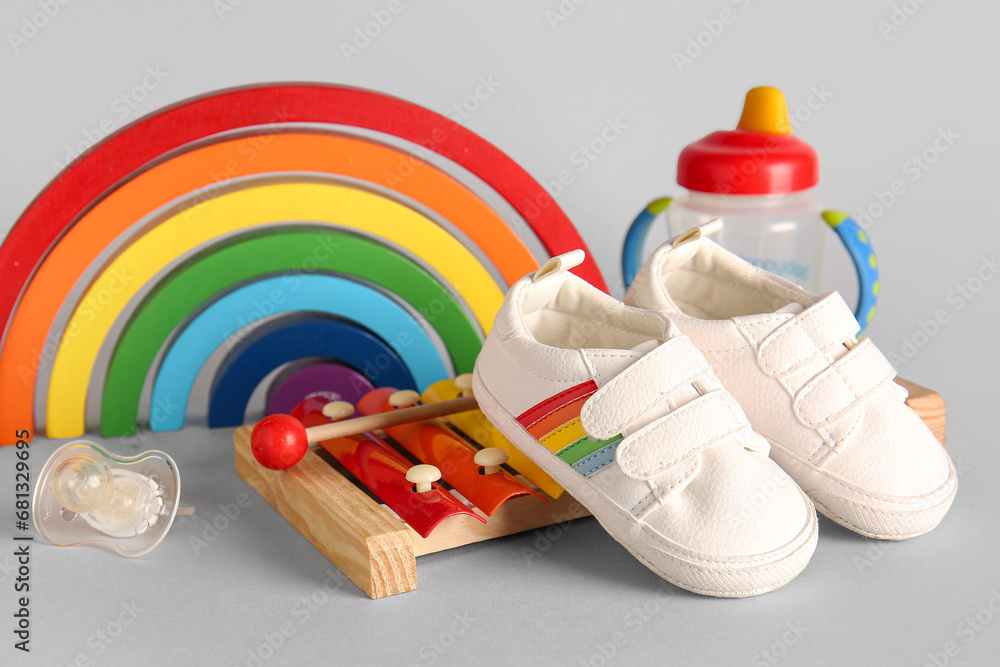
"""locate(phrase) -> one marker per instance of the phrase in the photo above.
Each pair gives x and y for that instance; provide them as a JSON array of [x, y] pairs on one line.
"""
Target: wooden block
[[121, 158], [224, 324], [276, 250], [307, 377], [928, 404], [57, 207], [282, 340], [363, 539], [147, 256]]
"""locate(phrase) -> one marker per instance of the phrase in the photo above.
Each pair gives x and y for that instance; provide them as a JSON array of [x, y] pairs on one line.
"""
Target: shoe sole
[[689, 571], [880, 523], [883, 524]]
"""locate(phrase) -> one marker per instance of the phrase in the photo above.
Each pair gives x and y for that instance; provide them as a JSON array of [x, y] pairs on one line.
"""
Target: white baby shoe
[[624, 412], [836, 421]]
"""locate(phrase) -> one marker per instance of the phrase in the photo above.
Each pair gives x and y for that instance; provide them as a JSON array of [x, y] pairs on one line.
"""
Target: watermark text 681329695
[[22, 543]]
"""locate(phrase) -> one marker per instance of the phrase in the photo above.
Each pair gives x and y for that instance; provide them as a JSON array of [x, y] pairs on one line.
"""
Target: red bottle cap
[[759, 157]]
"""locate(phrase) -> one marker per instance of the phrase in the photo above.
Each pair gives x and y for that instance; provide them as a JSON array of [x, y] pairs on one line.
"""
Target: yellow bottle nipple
[[765, 111]]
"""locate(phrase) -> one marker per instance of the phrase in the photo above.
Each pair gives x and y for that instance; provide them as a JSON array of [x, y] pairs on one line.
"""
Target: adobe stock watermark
[[434, 649], [800, 114], [780, 647], [324, 249], [248, 148], [462, 110], [160, 411], [365, 34], [104, 637], [712, 29], [608, 649], [32, 24], [967, 630], [873, 554], [258, 311], [580, 160], [876, 549], [433, 309], [898, 17], [957, 299], [763, 493], [133, 442], [92, 305], [224, 8], [304, 609], [545, 538], [212, 528], [121, 110], [373, 367], [912, 170], [419, 156], [562, 12], [407, 164], [468, 105], [8, 568]]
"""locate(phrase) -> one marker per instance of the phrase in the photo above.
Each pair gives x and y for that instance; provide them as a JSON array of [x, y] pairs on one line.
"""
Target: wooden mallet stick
[[279, 442], [382, 420]]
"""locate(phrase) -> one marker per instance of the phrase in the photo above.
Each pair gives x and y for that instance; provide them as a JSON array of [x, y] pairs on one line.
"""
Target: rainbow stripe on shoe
[[555, 423]]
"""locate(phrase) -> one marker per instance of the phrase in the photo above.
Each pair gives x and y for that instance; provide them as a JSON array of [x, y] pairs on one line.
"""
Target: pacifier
[[88, 496]]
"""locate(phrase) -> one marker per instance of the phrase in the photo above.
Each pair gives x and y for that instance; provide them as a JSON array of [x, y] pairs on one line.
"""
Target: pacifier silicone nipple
[[86, 495], [82, 483], [119, 504]]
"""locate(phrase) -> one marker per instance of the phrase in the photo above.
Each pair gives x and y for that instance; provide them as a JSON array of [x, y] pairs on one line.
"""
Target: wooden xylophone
[[360, 498], [371, 502]]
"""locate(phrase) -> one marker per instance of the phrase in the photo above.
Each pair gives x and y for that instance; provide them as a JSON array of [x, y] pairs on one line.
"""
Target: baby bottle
[[757, 179]]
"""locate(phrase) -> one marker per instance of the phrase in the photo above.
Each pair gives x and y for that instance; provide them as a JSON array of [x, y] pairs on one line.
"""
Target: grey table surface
[[883, 80]]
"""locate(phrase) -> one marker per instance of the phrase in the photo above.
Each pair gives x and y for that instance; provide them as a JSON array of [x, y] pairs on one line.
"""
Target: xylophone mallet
[[279, 442]]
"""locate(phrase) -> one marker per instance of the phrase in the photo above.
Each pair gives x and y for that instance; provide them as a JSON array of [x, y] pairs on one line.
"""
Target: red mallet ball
[[279, 442]]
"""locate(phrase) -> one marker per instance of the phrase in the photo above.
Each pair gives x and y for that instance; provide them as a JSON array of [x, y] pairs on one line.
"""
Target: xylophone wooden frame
[[378, 551]]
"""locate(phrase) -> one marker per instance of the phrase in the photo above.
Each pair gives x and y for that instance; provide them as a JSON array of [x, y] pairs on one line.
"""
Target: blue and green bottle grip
[[635, 238], [859, 246], [851, 234]]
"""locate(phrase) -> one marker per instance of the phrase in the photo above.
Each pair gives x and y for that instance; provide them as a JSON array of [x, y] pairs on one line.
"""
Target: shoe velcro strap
[[848, 382], [631, 393], [827, 323], [689, 429]]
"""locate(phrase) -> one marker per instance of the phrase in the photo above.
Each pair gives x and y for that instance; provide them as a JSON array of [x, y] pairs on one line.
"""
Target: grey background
[[582, 598]]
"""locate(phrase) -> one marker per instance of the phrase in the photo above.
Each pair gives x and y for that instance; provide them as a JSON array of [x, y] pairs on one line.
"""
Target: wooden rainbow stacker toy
[[375, 548]]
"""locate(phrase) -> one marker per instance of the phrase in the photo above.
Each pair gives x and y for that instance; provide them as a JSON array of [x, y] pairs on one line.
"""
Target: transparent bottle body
[[783, 234]]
